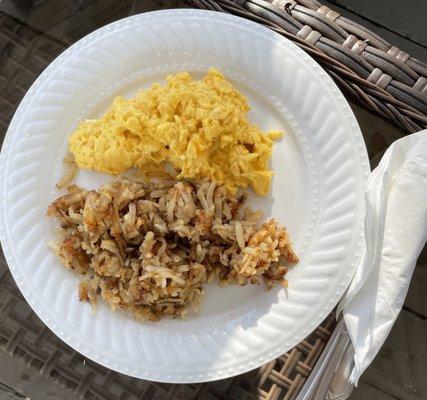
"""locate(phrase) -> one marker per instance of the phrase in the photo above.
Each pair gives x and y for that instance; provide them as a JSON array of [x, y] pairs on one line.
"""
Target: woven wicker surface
[[24, 52], [372, 71]]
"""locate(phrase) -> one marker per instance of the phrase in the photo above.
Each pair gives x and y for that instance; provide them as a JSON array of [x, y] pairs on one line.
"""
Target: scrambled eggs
[[200, 127]]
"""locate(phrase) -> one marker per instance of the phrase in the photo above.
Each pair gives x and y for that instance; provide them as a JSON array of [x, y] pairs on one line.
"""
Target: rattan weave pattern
[[375, 73]]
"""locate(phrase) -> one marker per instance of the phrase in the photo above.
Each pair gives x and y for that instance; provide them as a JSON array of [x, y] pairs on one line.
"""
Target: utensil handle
[[329, 379]]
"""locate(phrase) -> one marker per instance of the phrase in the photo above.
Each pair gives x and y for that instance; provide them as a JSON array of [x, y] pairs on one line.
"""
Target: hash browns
[[150, 248]]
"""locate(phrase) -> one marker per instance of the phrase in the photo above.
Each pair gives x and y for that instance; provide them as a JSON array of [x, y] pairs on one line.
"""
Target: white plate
[[321, 168]]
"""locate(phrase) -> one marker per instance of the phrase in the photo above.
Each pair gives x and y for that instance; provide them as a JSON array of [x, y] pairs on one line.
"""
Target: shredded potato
[[151, 248], [70, 172]]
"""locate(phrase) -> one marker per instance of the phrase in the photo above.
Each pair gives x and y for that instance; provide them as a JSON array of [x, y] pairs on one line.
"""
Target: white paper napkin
[[396, 231]]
